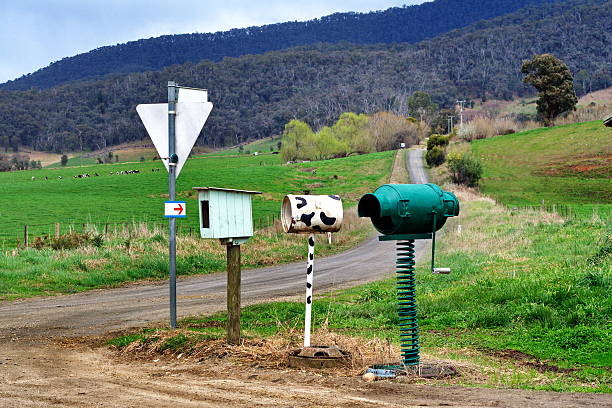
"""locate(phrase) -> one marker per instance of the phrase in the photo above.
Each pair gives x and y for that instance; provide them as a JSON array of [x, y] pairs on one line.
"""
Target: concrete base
[[319, 357], [427, 370]]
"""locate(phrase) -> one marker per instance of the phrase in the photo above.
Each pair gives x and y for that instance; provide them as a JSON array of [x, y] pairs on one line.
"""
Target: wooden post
[[233, 293], [106, 229], [57, 230], [25, 235]]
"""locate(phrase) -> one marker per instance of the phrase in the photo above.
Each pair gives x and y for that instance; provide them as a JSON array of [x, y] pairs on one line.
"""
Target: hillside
[[399, 24], [564, 166], [256, 95]]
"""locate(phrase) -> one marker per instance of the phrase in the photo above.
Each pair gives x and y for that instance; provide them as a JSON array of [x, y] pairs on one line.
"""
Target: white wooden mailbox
[[225, 214]]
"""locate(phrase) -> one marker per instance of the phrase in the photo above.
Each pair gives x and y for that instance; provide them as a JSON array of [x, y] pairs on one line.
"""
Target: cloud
[[36, 33]]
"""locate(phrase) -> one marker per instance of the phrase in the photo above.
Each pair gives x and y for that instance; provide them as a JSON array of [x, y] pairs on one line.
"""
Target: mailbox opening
[[205, 214], [369, 206], [286, 218]]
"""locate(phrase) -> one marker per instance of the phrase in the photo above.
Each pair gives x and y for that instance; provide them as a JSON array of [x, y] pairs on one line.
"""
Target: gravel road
[[101, 311]]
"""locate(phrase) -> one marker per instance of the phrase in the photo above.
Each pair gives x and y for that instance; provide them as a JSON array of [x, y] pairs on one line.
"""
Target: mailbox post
[[404, 213], [311, 214], [226, 214]]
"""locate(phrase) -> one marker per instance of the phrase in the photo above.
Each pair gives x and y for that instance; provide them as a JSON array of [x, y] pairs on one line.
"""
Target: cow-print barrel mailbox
[[308, 214]]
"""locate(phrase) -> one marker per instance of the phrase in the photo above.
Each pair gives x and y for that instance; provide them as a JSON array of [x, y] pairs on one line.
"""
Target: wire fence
[[22, 235], [565, 211]]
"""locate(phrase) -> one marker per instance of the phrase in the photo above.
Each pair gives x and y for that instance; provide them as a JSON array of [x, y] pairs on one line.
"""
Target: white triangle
[[190, 119]]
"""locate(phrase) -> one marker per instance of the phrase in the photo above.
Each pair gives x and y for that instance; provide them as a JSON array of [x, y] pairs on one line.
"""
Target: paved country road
[[40, 366]]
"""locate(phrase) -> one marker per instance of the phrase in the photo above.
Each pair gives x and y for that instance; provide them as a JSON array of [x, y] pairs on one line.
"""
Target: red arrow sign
[[179, 209]]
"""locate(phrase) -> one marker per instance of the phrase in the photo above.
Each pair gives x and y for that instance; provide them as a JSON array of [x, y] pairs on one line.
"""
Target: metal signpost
[[174, 128]]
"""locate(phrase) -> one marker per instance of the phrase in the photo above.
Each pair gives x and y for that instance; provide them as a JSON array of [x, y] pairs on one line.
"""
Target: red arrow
[[179, 209]]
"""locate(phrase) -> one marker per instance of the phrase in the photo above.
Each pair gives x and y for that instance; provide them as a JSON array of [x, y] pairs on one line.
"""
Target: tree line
[[352, 133], [18, 161], [256, 95]]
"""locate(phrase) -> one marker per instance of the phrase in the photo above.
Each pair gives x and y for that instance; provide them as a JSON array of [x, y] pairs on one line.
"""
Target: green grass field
[[259, 146], [139, 197], [81, 261], [565, 165]]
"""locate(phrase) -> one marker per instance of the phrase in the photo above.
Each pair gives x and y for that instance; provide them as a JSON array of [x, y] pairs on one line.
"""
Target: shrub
[[71, 240], [437, 140], [97, 240], [479, 128], [435, 156], [464, 169]]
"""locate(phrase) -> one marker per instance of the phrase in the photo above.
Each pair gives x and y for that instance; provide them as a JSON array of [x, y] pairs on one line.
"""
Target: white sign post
[[174, 128]]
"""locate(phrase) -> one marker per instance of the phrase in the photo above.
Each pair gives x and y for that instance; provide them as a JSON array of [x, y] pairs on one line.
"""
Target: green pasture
[[112, 198], [260, 146], [564, 165]]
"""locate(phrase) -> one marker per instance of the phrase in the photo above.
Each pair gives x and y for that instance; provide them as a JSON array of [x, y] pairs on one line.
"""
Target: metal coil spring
[[406, 296]]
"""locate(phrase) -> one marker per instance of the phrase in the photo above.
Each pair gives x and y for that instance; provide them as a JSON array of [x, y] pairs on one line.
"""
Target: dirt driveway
[[76, 373]]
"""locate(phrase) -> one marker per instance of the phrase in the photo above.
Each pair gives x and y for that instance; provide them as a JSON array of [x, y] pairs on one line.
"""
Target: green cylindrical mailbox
[[408, 208], [404, 213]]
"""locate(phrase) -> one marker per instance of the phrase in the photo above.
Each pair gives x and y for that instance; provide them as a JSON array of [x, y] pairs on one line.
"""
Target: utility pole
[[461, 103]]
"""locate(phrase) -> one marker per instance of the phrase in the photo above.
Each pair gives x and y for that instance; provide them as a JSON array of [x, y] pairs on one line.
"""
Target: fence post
[[57, 230], [25, 235], [106, 229]]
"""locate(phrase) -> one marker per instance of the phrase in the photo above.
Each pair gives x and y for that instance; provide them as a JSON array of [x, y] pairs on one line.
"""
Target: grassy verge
[[564, 165], [119, 258], [527, 304]]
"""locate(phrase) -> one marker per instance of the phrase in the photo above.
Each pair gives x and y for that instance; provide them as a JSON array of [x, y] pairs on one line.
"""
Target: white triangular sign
[[190, 119]]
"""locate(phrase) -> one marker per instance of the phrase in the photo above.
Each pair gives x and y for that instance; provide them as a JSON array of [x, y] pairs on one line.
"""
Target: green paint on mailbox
[[408, 208]]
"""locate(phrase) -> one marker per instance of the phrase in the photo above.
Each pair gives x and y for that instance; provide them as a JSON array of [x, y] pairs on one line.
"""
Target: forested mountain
[[256, 95], [400, 24]]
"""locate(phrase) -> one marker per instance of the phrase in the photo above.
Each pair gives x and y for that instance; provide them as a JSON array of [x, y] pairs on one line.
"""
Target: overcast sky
[[34, 33]]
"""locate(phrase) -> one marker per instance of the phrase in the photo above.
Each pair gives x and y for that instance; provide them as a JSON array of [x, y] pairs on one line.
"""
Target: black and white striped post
[[309, 284]]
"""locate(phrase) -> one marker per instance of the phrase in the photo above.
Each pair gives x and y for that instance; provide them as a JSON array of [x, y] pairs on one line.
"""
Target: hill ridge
[[256, 95], [394, 25]]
